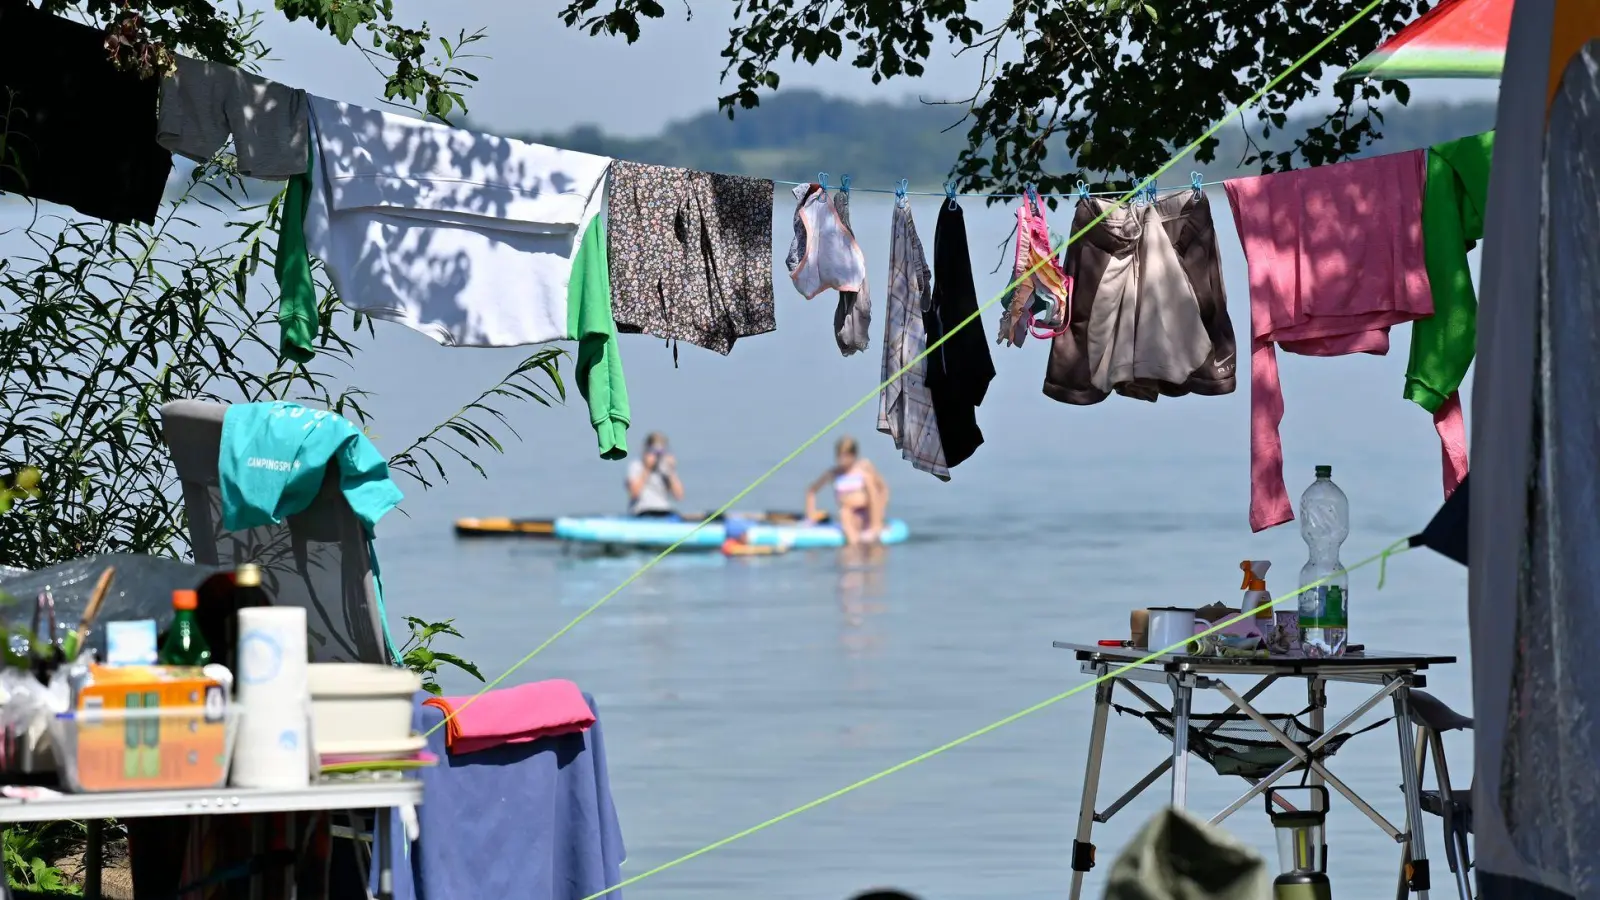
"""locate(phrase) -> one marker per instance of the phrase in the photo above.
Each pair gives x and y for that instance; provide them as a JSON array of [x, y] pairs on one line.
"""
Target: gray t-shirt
[[203, 102], [655, 496]]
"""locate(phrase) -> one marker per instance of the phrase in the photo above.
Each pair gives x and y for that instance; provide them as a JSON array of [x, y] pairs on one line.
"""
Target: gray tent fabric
[[1532, 595], [141, 588], [1550, 768], [1178, 856]]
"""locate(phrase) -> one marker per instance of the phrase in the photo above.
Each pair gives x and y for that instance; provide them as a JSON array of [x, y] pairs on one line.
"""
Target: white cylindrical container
[[1170, 627], [273, 749], [272, 657], [361, 705]]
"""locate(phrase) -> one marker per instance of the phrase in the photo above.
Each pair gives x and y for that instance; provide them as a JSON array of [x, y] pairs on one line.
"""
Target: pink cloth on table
[[1335, 258], [515, 715]]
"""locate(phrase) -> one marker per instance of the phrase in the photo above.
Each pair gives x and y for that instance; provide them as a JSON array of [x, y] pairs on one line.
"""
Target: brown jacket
[[1149, 311]]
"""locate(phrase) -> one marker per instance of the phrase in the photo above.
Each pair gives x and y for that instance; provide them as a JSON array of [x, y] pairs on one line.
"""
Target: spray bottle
[[1256, 595]]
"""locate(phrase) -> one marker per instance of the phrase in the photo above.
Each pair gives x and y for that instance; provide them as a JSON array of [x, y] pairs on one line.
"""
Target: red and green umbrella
[[1456, 39]]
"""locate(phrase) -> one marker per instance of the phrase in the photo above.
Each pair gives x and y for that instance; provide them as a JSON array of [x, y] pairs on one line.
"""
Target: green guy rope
[[808, 443]]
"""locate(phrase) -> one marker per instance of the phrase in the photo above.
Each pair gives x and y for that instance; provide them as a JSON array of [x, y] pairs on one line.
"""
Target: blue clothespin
[[900, 192], [950, 193], [822, 180], [1083, 191], [844, 183], [1194, 182], [1029, 193]]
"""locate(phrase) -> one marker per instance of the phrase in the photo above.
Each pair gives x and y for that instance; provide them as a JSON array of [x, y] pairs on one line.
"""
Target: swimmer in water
[[861, 493]]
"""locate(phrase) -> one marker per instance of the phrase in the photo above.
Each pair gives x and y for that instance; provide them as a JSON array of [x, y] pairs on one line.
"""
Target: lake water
[[733, 691]]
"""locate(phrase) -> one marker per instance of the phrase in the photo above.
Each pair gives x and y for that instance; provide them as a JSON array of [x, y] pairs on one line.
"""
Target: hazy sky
[[541, 75]]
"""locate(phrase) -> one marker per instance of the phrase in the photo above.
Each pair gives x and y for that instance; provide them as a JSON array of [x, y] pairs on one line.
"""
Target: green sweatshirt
[[589, 319], [1453, 198], [589, 322]]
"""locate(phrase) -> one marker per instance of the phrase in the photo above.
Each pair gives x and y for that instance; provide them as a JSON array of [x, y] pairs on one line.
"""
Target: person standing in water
[[861, 494], [653, 486]]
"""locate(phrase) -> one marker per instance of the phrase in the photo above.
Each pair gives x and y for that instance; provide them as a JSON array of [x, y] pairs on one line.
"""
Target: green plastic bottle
[[185, 644]]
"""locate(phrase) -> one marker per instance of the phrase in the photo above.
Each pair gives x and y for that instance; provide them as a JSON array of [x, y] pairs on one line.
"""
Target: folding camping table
[[337, 796], [1393, 673]]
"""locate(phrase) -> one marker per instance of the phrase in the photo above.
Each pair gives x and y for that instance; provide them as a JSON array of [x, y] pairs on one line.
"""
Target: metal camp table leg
[[1306, 756], [1317, 699], [1182, 699], [1417, 872], [1082, 848], [93, 851], [381, 848]]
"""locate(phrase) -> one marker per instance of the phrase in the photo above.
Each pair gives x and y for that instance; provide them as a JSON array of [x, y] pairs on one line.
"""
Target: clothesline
[[844, 185], [480, 240]]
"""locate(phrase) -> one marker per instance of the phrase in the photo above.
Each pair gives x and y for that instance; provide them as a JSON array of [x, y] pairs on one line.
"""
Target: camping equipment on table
[[1305, 736], [362, 708], [273, 689], [1170, 626], [1139, 628], [1302, 846]]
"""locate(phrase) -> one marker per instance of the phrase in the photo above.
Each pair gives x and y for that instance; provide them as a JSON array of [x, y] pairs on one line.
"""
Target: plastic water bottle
[[1324, 609]]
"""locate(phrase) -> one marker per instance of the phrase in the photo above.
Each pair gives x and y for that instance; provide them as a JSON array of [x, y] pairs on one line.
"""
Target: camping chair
[[316, 559], [1433, 718]]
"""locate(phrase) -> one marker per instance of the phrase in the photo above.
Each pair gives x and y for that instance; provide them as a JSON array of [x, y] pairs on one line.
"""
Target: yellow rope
[[993, 726]]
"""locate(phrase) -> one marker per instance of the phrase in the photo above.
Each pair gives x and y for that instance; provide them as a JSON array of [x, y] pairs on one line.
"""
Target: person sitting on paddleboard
[[653, 485], [861, 493]]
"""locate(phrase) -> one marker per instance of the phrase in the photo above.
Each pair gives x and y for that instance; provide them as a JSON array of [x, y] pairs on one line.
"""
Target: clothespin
[[900, 193], [844, 183], [1083, 191], [822, 181], [950, 193], [1194, 182], [1029, 193]]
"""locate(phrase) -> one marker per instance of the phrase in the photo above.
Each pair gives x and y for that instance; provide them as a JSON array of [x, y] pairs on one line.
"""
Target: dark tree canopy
[[143, 34], [1108, 87]]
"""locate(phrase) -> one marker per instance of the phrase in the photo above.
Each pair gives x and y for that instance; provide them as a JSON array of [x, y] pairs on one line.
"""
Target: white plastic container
[[362, 708], [1171, 626]]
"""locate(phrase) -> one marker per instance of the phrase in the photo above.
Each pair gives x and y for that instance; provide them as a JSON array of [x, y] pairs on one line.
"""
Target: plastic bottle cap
[[248, 575], [185, 600], [1324, 471], [1251, 581]]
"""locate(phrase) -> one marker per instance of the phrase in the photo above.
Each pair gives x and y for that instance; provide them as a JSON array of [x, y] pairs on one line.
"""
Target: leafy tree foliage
[[1116, 85]]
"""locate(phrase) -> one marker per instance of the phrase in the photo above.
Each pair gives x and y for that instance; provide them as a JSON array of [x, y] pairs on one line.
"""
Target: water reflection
[[861, 587]]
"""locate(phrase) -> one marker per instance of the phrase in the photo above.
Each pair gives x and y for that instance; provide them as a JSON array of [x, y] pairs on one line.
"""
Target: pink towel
[[1335, 259], [513, 715]]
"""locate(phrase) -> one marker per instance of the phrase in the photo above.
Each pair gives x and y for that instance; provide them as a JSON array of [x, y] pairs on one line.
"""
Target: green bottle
[[185, 644]]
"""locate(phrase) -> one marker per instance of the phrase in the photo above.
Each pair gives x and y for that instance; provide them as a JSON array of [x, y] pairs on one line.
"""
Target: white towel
[[468, 238]]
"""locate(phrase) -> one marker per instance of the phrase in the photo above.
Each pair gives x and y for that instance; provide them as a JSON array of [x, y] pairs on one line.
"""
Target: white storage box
[[361, 708]]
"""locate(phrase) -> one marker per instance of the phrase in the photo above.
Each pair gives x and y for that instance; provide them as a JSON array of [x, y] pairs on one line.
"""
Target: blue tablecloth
[[522, 822]]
